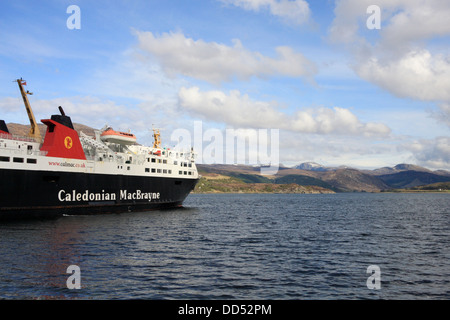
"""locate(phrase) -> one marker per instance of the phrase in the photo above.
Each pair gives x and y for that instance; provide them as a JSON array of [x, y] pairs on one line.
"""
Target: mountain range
[[339, 179], [400, 176]]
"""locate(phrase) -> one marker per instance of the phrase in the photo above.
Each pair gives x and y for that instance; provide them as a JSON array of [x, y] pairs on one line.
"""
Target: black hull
[[44, 194]]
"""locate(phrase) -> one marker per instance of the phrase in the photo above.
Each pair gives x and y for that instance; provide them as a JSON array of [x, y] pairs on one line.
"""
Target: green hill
[[410, 179], [304, 181], [248, 183]]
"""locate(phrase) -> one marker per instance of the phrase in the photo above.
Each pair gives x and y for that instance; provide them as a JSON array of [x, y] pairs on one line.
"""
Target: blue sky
[[339, 92]]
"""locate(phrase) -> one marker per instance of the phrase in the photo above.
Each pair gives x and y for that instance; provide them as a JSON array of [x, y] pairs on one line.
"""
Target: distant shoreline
[[416, 191], [332, 192], [237, 192], [240, 181]]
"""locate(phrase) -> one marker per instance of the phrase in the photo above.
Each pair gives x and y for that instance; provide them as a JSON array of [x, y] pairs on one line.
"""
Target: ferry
[[71, 173]]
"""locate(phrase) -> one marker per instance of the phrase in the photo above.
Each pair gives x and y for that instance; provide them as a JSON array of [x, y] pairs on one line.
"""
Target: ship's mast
[[157, 139], [34, 131]]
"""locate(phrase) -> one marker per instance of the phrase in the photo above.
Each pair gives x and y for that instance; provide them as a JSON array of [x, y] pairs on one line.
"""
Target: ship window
[[170, 171], [159, 171], [190, 173], [147, 170], [128, 168], [164, 171], [34, 161], [153, 170], [4, 159], [180, 172], [185, 173], [164, 161], [175, 162], [153, 160], [190, 165], [19, 160]]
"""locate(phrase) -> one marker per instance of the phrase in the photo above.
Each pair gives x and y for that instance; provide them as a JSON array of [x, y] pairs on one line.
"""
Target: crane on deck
[[34, 130]]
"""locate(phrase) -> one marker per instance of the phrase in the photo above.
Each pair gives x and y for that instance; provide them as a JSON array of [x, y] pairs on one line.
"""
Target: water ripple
[[239, 247]]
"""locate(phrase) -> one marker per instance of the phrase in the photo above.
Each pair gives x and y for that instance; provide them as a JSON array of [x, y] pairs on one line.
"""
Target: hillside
[[353, 180], [304, 181], [396, 169], [333, 179], [217, 183], [410, 178], [340, 180], [440, 186]]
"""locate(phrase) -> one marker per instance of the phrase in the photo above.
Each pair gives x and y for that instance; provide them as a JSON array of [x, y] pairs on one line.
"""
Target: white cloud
[[403, 21], [443, 115], [336, 120], [215, 62], [234, 109], [414, 20], [401, 59], [292, 11], [241, 111], [417, 74], [431, 153]]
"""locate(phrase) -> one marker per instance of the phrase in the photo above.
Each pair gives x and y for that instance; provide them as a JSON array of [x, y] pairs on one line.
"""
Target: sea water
[[238, 246]]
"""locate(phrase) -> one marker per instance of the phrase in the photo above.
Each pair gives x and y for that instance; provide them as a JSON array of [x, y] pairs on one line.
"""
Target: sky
[[358, 83]]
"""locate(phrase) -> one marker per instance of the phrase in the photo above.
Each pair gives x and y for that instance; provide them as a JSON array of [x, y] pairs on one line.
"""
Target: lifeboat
[[110, 135]]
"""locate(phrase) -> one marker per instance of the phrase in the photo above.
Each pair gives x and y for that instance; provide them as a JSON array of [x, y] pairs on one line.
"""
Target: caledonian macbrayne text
[[86, 195]]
